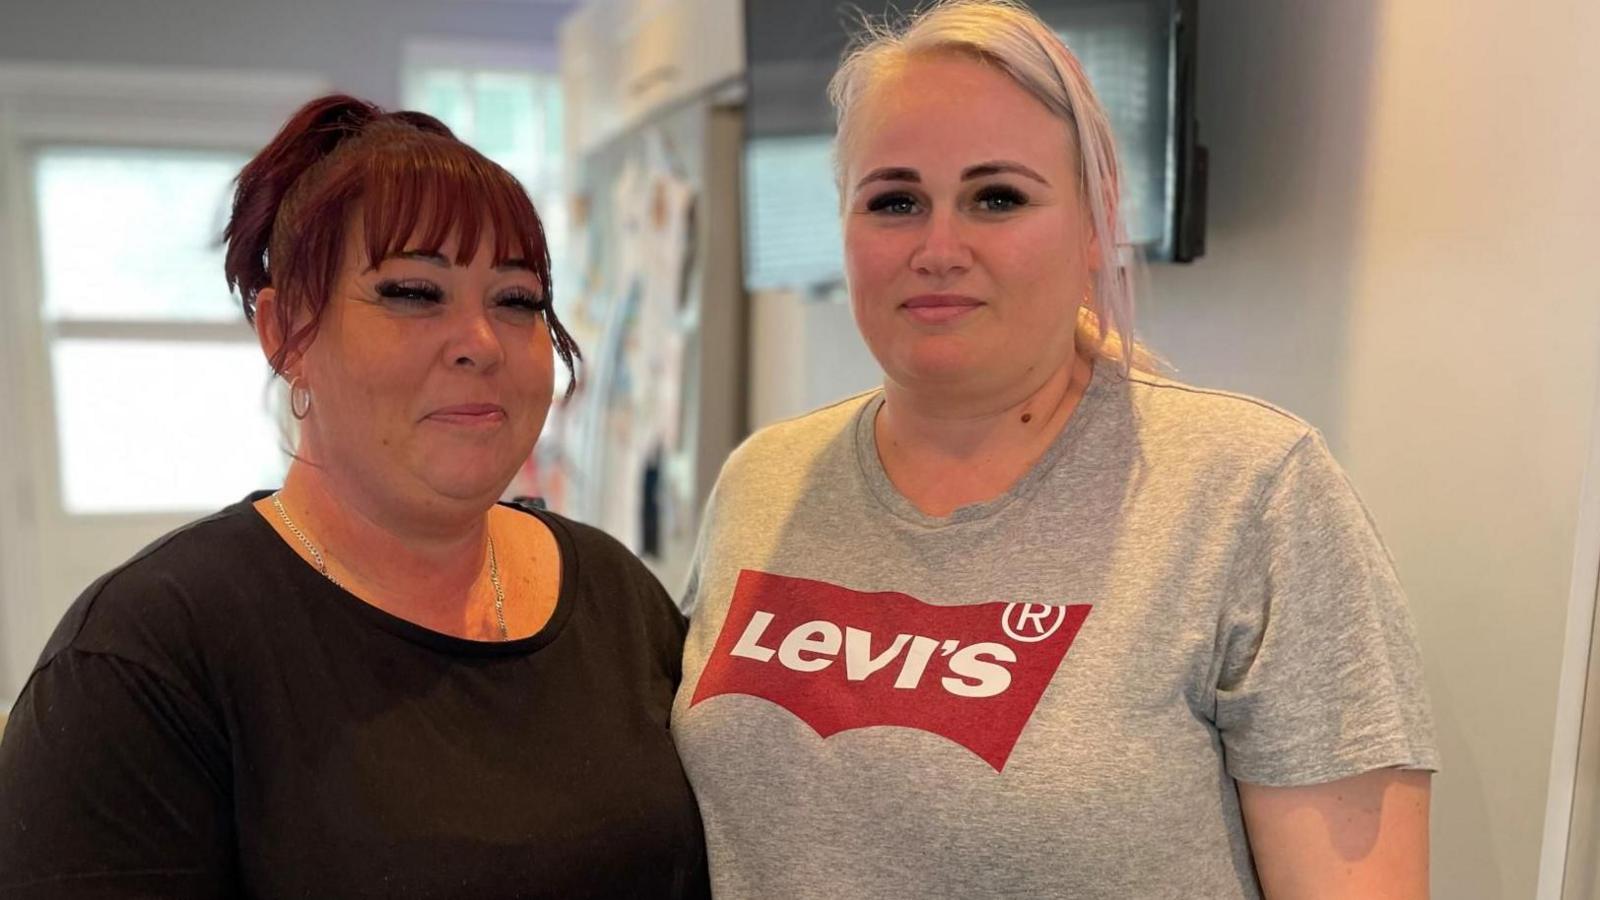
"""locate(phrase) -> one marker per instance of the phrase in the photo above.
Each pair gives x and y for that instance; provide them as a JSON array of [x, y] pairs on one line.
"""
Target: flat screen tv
[[1140, 56]]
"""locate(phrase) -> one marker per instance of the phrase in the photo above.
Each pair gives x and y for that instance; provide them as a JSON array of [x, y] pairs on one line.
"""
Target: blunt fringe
[[415, 185]]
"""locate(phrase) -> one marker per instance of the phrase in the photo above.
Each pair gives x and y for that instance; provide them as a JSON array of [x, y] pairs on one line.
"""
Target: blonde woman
[[1030, 621]]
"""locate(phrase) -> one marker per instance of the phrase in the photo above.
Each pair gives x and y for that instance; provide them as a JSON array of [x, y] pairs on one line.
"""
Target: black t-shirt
[[215, 718]]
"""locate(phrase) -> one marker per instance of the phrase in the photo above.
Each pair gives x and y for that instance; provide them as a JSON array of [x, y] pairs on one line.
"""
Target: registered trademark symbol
[[1031, 623]]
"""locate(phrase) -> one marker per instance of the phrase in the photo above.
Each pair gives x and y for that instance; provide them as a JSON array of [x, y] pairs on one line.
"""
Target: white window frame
[[44, 105]]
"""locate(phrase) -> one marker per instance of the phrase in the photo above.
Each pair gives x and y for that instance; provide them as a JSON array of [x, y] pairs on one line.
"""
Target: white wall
[[1404, 204], [805, 352]]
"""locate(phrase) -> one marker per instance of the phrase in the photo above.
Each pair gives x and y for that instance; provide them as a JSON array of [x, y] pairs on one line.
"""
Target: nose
[[944, 249], [474, 344]]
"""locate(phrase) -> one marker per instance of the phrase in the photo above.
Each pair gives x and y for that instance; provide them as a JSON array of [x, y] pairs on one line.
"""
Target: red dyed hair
[[415, 183]]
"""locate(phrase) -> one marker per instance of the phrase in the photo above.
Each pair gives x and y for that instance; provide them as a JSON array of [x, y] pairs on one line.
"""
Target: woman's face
[[430, 380], [966, 243]]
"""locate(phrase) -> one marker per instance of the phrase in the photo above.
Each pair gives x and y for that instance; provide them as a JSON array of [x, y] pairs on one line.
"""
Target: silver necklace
[[322, 564]]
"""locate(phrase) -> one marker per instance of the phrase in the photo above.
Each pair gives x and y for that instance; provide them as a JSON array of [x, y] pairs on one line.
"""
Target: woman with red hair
[[377, 680]]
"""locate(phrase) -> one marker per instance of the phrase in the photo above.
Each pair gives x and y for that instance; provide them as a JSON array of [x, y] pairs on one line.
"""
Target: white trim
[[1581, 601]]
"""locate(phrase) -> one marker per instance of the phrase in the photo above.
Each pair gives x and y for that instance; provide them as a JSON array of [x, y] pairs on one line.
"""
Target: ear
[[269, 330]]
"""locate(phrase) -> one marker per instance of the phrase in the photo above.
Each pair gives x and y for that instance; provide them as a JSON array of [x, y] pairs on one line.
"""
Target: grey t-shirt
[[1049, 694]]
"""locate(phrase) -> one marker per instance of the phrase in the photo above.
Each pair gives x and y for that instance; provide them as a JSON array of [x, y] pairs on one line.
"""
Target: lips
[[939, 309], [471, 414]]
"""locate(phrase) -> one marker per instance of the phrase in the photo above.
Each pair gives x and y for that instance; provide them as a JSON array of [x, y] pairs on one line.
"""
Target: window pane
[[133, 234], [148, 426], [514, 118], [792, 230], [505, 114], [508, 120], [550, 98], [442, 93]]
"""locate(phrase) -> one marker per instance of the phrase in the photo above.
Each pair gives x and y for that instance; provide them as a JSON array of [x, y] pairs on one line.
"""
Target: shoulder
[[153, 609], [793, 446], [1192, 423]]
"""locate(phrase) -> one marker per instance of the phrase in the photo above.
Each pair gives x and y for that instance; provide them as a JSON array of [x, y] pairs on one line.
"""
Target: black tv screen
[[1139, 55]]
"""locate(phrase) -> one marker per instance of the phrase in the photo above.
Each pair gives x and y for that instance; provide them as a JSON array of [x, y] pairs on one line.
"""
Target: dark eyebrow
[[511, 265], [890, 174], [1000, 166]]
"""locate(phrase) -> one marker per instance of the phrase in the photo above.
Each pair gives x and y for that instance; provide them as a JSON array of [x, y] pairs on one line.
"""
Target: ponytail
[[264, 184]]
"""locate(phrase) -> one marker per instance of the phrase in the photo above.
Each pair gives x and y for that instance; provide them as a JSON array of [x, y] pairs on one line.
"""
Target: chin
[[454, 490], [467, 479], [937, 363]]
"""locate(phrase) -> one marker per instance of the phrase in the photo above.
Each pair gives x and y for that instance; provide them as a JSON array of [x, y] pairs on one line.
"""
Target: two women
[[1028, 621]]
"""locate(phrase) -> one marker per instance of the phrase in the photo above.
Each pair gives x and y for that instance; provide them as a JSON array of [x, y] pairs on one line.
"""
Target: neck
[[942, 455], [377, 550]]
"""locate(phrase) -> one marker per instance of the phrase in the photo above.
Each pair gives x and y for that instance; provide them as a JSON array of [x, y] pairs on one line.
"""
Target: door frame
[[1575, 754]]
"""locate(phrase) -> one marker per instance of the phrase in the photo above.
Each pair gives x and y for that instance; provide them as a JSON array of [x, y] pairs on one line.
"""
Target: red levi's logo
[[842, 659]]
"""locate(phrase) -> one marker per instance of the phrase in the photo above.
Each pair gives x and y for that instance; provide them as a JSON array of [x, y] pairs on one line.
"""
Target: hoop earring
[[298, 408]]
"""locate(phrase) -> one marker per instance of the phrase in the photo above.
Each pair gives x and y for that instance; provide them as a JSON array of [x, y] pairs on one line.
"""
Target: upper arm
[[113, 783], [1365, 836], [1318, 674]]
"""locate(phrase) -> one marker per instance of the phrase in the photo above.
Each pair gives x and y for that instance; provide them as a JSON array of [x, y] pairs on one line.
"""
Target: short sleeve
[[1320, 675], [112, 784]]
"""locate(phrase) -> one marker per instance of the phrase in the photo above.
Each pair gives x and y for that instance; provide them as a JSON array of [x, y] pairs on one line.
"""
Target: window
[[793, 236], [506, 102], [136, 396], [512, 117], [160, 389]]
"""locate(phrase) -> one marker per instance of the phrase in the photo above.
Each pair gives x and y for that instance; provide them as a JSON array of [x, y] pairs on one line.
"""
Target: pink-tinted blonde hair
[[1012, 38]]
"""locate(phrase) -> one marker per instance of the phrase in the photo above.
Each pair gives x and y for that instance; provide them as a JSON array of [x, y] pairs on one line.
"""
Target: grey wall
[[354, 44]]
